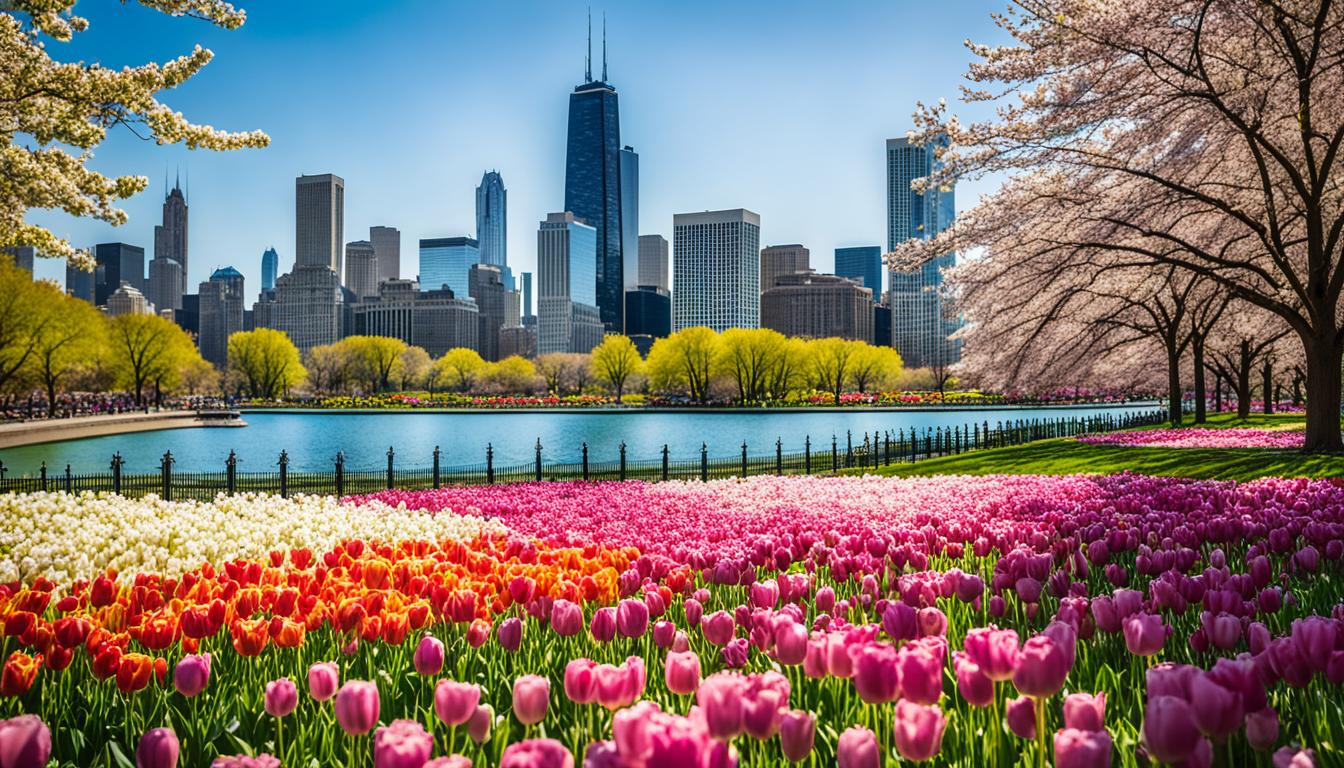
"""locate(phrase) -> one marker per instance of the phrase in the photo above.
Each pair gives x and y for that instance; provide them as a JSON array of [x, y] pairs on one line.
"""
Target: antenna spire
[[588, 62], [604, 46]]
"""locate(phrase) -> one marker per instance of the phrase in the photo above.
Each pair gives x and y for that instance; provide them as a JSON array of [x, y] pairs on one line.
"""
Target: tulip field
[[1074, 621]]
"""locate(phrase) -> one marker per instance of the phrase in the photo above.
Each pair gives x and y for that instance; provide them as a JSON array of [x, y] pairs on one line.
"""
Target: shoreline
[[38, 431], [246, 409]]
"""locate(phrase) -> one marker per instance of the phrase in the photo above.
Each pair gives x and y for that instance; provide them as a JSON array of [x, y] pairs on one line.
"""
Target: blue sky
[[781, 107]]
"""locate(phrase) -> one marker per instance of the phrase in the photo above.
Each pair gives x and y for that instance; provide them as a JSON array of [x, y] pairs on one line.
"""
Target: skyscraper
[[319, 221], [80, 283], [568, 319], [118, 263], [527, 295], [630, 218], [920, 325], [491, 226], [165, 284], [861, 263], [170, 240], [486, 285], [128, 300], [593, 183], [270, 267], [387, 246], [653, 261], [780, 260], [446, 261], [717, 271], [221, 308], [361, 269], [818, 306]]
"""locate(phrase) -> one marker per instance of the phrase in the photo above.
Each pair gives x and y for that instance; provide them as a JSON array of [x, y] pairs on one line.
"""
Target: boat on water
[[220, 418]]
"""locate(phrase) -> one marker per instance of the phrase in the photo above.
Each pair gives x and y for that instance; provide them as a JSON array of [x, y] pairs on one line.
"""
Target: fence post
[[585, 460], [704, 462], [340, 472], [230, 473], [835, 455], [779, 456], [807, 454], [489, 464], [167, 475], [886, 447], [42, 473], [849, 447], [622, 460], [436, 466], [117, 461], [69, 481], [664, 462], [284, 474], [744, 458], [536, 471], [390, 476]]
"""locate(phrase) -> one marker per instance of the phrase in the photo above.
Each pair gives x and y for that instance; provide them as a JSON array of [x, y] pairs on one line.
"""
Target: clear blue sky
[[781, 107]]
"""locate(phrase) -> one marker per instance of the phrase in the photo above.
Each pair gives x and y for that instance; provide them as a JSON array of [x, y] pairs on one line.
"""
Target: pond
[[313, 438]]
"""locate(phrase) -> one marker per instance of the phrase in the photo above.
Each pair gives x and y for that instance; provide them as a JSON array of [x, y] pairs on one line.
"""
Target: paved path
[[14, 434]]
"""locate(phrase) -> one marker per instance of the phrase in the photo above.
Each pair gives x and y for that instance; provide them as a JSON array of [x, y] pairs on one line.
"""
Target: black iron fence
[[869, 450]]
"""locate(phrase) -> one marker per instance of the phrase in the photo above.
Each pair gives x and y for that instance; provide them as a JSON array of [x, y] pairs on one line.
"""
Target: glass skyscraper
[[861, 263], [920, 324], [593, 187], [491, 208], [447, 261], [270, 267]]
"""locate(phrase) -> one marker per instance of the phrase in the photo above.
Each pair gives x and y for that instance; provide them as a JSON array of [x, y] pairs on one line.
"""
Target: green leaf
[[119, 756]]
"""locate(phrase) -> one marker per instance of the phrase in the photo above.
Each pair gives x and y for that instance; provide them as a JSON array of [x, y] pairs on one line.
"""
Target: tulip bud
[[1075, 748], [158, 749], [682, 672], [1021, 717], [1169, 730], [428, 657], [797, 734], [531, 696], [357, 707], [25, 742], [1085, 712], [857, 748], [478, 727], [454, 702], [403, 744], [281, 697], [510, 634], [191, 674]]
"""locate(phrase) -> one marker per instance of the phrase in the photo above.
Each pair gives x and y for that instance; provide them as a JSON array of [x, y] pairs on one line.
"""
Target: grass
[[1067, 456]]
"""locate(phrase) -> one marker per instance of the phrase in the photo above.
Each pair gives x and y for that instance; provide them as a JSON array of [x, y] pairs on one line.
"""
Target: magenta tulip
[[1042, 668], [994, 651], [537, 753], [918, 730], [719, 627], [791, 643], [281, 697], [1082, 748], [921, 675], [972, 684], [403, 744], [566, 618], [323, 678], [682, 672], [1020, 715], [428, 657], [1085, 712], [1145, 634], [1288, 757], [664, 633], [857, 748], [797, 734], [478, 727], [531, 696], [603, 624], [510, 634], [191, 675], [632, 618], [1169, 730], [1217, 710], [876, 674], [158, 749], [454, 702], [1262, 728], [1315, 640], [694, 610], [720, 699], [450, 761], [357, 707], [25, 742]]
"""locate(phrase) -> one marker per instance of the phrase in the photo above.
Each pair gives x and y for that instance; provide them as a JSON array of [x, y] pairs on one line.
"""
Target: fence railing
[[867, 451]]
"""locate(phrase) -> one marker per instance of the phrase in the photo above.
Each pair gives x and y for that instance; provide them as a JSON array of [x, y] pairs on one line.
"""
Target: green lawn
[[1067, 456]]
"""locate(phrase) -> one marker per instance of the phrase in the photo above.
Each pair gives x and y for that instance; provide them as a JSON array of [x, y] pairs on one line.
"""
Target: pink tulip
[[428, 657], [1085, 712], [694, 610], [682, 672], [839, 660], [972, 684], [765, 594], [478, 727], [1082, 748], [876, 674], [566, 618], [1288, 757], [158, 749], [720, 699], [1021, 717], [603, 625], [190, 676], [537, 753], [281, 697], [454, 702], [323, 678], [994, 651], [619, 686], [815, 659], [664, 633], [921, 675], [797, 734], [510, 633], [632, 618], [1169, 730], [791, 641], [403, 744], [761, 711], [531, 696], [1217, 710], [581, 681], [450, 761], [857, 748], [357, 707], [25, 742], [1145, 634], [719, 627], [918, 730], [1041, 668], [1315, 640], [932, 622], [1262, 728]]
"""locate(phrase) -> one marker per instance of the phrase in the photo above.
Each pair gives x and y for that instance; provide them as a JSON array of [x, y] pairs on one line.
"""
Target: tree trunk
[[1323, 385], [1173, 385], [1297, 389], [1267, 385], [1217, 393], [1244, 382], [1197, 348]]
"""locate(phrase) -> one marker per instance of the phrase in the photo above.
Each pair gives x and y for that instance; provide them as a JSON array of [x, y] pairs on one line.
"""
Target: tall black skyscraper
[[593, 181]]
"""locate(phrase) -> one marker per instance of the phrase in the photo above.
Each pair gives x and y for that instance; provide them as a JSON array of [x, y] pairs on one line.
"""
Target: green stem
[[1040, 732]]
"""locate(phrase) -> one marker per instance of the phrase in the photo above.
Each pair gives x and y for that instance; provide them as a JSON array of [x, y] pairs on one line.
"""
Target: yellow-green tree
[[749, 358], [148, 350], [461, 368], [831, 364], [23, 318], [874, 367], [199, 377], [413, 368], [513, 375], [789, 371], [266, 361], [71, 335], [376, 359], [614, 361], [551, 367], [329, 368], [55, 113], [684, 362]]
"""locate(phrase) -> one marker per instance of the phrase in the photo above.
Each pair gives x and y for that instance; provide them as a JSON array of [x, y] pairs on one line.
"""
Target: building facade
[[629, 218], [446, 261], [23, 256], [128, 300], [319, 221], [816, 306], [716, 269], [387, 246], [436, 321], [80, 283], [593, 188], [117, 263], [270, 268], [361, 269], [486, 285], [863, 263], [165, 284], [566, 285], [221, 310], [653, 262], [648, 312], [309, 306], [527, 295], [518, 340], [491, 219], [170, 240], [920, 324], [780, 260]]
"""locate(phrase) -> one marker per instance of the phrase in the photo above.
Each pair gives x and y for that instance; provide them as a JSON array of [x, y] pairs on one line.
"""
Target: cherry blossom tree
[[1199, 134], [53, 114]]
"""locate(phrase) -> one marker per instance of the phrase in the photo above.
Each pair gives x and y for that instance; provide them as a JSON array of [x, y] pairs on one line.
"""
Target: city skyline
[[523, 133]]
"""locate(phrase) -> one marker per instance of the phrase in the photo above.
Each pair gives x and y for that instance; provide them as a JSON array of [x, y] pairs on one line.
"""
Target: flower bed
[[1195, 437], [1082, 621]]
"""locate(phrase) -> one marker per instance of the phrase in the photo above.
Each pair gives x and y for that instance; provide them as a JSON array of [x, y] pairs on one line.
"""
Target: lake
[[313, 438]]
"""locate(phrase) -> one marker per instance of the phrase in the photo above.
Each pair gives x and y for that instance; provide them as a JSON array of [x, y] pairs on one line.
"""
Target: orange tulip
[[288, 634], [134, 672], [250, 636], [19, 673]]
